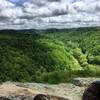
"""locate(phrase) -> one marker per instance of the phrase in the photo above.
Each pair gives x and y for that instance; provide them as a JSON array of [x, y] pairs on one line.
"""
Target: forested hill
[[52, 55]]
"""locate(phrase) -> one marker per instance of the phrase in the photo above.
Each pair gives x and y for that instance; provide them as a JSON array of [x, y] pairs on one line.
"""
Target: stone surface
[[27, 91], [84, 81]]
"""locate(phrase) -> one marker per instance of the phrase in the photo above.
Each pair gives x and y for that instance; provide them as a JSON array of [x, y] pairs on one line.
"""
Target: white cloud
[[49, 13], [13, 12]]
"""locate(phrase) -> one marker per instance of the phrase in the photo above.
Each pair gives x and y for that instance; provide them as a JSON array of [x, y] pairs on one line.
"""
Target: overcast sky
[[26, 14]]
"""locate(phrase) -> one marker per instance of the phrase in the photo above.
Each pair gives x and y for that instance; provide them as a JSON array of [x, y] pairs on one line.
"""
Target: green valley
[[50, 56]]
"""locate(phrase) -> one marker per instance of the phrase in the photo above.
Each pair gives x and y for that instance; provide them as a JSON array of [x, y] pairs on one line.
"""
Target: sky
[[43, 14]]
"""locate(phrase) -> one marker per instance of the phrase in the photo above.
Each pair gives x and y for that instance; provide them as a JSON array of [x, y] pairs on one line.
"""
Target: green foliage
[[77, 53], [61, 76], [14, 65], [55, 77], [94, 60], [24, 57], [51, 55]]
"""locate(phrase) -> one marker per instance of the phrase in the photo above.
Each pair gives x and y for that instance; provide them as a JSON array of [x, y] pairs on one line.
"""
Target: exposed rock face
[[36, 91]]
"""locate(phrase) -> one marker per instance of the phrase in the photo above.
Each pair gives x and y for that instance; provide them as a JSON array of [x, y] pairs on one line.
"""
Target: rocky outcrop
[[84, 81], [32, 91]]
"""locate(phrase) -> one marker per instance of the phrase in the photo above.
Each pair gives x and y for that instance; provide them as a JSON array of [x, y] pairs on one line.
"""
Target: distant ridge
[[51, 30]]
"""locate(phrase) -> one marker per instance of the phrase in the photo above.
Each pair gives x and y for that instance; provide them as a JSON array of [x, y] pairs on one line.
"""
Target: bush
[[55, 77]]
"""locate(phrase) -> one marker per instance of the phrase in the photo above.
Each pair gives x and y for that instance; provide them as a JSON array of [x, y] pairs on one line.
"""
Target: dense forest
[[51, 56]]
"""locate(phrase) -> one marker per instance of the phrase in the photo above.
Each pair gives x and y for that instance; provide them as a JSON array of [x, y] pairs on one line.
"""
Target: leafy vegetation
[[51, 55]]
